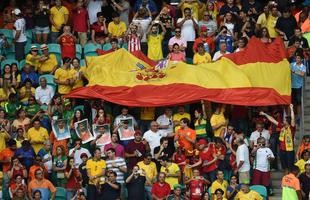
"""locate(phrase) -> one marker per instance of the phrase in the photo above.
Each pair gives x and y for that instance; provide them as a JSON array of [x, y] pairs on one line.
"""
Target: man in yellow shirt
[[194, 5], [150, 170], [246, 194], [37, 135], [63, 77], [218, 121], [58, 17], [77, 73], [171, 170], [219, 183], [116, 28], [48, 62], [154, 41], [178, 116], [272, 21], [4, 137], [262, 19], [96, 168], [201, 56]]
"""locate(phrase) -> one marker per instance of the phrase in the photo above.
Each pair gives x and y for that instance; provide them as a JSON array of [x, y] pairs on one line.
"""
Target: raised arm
[[271, 119]]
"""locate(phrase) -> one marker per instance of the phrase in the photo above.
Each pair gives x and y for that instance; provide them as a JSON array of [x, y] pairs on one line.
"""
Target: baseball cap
[[138, 132], [202, 142], [16, 11]]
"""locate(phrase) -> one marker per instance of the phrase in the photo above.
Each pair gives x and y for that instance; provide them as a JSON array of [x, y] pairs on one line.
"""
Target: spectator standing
[[148, 4], [263, 157], [43, 185], [150, 172], [99, 31], [77, 152], [286, 25], [96, 168], [123, 8], [67, 43], [143, 19], [119, 149], [135, 184], [188, 25], [171, 170], [41, 22], [116, 164], [117, 28], [135, 150], [260, 132], [161, 189], [60, 163], [93, 7], [37, 135], [219, 183], [304, 180], [179, 115], [298, 35], [111, 189], [63, 78], [218, 120], [177, 193], [176, 55], [286, 139], [208, 22], [243, 161], [262, 19], [73, 177], [186, 135], [81, 25], [134, 37], [178, 40], [197, 185], [206, 40], [165, 121], [224, 36], [194, 6], [46, 155], [291, 186], [201, 56], [298, 71], [58, 17], [272, 21], [154, 41], [229, 7], [19, 33]]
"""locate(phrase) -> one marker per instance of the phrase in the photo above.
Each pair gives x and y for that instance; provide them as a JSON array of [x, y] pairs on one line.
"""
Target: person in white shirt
[[189, 26], [243, 161], [124, 115], [165, 121], [221, 52], [261, 167], [154, 135], [260, 132], [44, 93], [93, 7], [19, 33], [77, 151]]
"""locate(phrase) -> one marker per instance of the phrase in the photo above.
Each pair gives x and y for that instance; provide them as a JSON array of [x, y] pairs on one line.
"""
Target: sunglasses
[[178, 31]]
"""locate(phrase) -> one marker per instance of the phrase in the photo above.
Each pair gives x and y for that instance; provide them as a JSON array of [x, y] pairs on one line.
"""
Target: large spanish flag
[[258, 76]]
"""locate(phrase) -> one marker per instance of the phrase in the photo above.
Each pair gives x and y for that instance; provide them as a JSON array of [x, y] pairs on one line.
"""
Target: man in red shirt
[[160, 189], [208, 42], [197, 185], [80, 22], [67, 42]]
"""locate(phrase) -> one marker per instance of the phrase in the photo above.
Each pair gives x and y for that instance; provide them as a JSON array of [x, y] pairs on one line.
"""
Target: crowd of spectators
[[198, 151]]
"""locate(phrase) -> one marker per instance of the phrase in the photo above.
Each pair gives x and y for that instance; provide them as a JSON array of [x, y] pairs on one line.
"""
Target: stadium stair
[[307, 107]]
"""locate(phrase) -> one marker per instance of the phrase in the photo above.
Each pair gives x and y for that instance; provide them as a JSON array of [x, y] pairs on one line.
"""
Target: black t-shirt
[[167, 152], [107, 12], [109, 193], [136, 188], [83, 171], [41, 18], [304, 42], [305, 184], [286, 25], [226, 9]]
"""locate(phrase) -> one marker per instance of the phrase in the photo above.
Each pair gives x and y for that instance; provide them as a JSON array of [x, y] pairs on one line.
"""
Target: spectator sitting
[[33, 58], [304, 179], [219, 183], [177, 193], [247, 194], [205, 40], [26, 91], [63, 77], [303, 160], [171, 169], [221, 52], [223, 37], [44, 93], [99, 31], [28, 73], [176, 55], [48, 62], [161, 189], [305, 145], [242, 42], [119, 149], [201, 56], [67, 43], [117, 28]]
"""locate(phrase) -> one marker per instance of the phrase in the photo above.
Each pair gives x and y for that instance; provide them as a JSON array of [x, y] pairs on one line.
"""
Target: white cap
[[16, 11]]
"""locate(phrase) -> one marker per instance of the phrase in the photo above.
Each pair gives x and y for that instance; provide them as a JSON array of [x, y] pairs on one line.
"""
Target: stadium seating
[[8, 61], [82, 63], [78, 49], [55, 49], [260, 190], [8, 34], [21, 64], [90, 49], [106, 47], [61, 193], [10, 52]]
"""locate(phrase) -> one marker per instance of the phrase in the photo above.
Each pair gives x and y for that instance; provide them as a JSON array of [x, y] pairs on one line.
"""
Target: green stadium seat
[[82, 63], [106, 47], [55, 49], [78, 50], [260, 190], [61, 193], [10, 52], [8, 61], [49, 80], [21, 64], [90, 49], [8, 34]]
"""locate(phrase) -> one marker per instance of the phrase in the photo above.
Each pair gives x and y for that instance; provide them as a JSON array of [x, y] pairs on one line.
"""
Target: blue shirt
[[229, 43], [150, 5], [297, 80], [32, 76], [27, 156]]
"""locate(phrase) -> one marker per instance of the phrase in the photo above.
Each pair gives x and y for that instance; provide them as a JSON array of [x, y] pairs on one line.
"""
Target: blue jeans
[[70, 194], [148, 194]]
